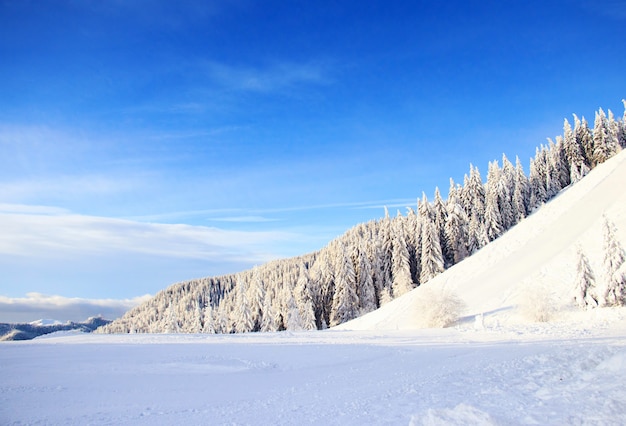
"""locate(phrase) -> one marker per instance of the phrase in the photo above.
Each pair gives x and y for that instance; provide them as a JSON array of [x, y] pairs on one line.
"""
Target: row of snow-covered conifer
[[377, 261]]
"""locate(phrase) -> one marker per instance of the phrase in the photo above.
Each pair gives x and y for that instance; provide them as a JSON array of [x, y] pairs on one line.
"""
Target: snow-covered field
[[534, 374], [496, 366]]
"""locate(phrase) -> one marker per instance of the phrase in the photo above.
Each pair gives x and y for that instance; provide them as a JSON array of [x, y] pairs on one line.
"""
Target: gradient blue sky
[[149, 142]]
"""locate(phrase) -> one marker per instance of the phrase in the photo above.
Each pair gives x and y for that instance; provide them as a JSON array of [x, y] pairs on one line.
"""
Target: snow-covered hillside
[[536, 257], [377, 369]]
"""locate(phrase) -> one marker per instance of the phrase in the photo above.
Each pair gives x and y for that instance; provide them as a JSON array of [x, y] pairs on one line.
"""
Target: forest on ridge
[[375, 262]]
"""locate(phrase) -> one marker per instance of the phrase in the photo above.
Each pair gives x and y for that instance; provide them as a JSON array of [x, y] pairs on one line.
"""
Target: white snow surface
[[496, 366]]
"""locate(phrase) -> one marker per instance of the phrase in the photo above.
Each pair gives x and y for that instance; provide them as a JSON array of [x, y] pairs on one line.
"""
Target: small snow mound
[[615, 364], [60, 333], [462, 414]]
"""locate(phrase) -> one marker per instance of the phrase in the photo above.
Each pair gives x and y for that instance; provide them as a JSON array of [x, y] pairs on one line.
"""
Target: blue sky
[[149, 142]]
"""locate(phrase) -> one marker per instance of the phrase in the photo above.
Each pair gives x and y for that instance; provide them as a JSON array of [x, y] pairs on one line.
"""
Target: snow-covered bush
[[437, 307], [537, 303]]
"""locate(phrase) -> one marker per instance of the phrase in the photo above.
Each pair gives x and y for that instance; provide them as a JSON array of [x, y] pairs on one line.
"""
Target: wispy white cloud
[[243, 219], [65, 186], [29, 209], [261, 215], [34, 232], [36, 306], [275, 78]]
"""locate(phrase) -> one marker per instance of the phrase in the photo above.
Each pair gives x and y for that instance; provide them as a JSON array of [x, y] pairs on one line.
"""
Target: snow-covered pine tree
[[208, 325], [375, 257], [196, 317], [584, 138], [386, 240], [345, 300], [584, 285], [506, 188], [574, 154], [613, 131], [560, 165], [493, 219], [401, 269], [457, 225], [304, 299], [621, 135], [603, 142], [521, 193], [268, 320], [256, 297], [475, 195], [293, 320], [441, 217], [243, 315], [325, 273], [412, 242], [366, 289], [537, 184], [432, 258], [614, 257], [551, 174]]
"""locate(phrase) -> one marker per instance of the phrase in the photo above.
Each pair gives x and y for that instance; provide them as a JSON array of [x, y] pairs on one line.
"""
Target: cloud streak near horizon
[[54, 235], [35, 306]]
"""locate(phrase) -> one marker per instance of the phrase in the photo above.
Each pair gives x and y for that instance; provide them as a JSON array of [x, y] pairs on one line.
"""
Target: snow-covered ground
[[496, 366], [534, 374]]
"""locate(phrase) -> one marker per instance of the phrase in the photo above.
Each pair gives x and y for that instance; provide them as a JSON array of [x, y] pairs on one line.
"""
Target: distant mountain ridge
[[378, 261], [34, 329]]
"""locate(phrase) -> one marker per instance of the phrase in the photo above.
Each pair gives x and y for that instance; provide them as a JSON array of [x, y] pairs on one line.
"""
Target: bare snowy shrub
[[537, 303], [437, 307]]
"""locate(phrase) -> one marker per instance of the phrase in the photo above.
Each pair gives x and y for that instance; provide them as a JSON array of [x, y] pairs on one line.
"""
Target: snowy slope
[[537, 255]]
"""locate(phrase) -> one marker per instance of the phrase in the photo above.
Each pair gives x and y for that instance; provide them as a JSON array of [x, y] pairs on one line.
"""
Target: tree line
[[380, 260]]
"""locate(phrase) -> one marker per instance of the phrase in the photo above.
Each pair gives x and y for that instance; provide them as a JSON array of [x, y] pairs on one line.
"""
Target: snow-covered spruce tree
[[375, 257], [293, 320], [243, 315], [366, 289], [432, 258], [386, 240], [256, 297], [441, 217], [521, 193], [560, 164], [412, 235], [195, 321], [614, 256], [345, 300], [325, 275], [621, 134], [574, 154], [401, 269], [208, 326], [585, 140], [585, 284], [493, 219], [537, 185], [474, 195], [552, 179], [457, 225], [506, 187], [604, 141], [304, 299], [268, 320]]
